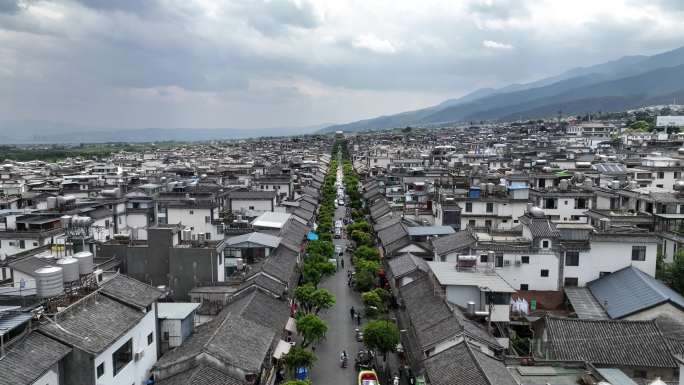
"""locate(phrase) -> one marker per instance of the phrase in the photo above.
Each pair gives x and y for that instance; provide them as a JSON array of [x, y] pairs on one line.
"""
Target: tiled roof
[[540, 227], [93, 324], [453, 242], [630, 290], [201, 375], [26, 360], [463, 364], [130, 291], [607, 342], [405, 264]]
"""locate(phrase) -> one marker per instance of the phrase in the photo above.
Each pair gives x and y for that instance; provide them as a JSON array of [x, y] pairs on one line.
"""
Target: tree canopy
[[381, 335], [311, 328]]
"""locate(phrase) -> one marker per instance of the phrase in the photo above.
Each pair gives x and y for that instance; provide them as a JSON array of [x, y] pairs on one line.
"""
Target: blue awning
[[312, 236]]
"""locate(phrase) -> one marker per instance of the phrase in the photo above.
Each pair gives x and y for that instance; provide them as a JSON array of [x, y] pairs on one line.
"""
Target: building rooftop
[[447, 275]]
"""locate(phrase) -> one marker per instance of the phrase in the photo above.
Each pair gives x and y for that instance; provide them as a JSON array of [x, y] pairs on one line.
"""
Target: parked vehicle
[[368, 377], [359, 334], [338, 233]]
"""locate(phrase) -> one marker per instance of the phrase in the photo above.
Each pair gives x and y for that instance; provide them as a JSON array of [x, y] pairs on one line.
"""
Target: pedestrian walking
[[358, 319], [352, 312], [343, 262]]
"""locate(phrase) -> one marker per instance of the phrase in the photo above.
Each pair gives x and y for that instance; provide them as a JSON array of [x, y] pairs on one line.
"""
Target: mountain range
[[625, 83]]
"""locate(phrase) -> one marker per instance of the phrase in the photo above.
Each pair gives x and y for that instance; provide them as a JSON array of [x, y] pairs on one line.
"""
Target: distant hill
[[628, 82], [28, 132]]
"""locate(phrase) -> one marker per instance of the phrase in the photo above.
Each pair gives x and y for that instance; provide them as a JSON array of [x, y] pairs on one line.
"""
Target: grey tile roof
[[130, 291], [630, 290], [540, 227], [429, 230], [93, 324], [673, 332], [241, 335], [463, 364], [453, 242], [252, 195], [430, 316], [607, 342], [201, 375], [265, 282], [406, 264], [394, 238], [379, 209], [282, 264], [30, 358], [30, 264]]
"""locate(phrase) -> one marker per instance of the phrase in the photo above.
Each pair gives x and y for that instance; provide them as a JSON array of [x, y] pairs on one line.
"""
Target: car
[[338, 233], [368, 377], [340, 202]]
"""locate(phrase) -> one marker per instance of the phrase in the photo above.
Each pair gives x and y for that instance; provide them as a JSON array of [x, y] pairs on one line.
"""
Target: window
[[122, 356], [150, 338], [661, 175], [488, 223], [106, 222], [192, 212], [549, 203], [100, 370], [570, 281], [524, 287], [499, 260], [165, 336], [545, 244], [581, 203], [565, 203], [525, 259], [469, 207], [471, 223], [22, 244], [545, 273], [251, 207], [35, 243], [638, 253], [483, 258], [490, 207], [677, 174], [207, 219], [572, 258]]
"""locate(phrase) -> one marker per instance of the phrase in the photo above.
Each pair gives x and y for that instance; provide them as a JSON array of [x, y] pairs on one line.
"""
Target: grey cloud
[[139, 7], [502, 9], [10, 6], [271, 17]]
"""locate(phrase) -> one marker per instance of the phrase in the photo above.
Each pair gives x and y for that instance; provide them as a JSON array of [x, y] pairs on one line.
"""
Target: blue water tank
[[474, 192]]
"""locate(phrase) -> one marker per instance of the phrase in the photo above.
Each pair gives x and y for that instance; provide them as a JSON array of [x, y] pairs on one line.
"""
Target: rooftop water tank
[[85, 262], [49, 281], [537, 212], [70, 269]]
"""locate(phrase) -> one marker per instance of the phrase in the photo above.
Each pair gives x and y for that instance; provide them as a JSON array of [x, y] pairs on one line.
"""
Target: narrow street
[[341, 334]]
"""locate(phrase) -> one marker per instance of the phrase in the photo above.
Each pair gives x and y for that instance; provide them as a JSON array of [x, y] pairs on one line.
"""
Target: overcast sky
[[251, 63]]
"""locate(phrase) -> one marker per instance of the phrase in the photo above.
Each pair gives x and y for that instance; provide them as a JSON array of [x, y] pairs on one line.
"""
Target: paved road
[[341, 335]]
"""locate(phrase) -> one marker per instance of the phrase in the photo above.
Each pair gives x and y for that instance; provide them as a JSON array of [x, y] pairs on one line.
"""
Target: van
[[338, 233]]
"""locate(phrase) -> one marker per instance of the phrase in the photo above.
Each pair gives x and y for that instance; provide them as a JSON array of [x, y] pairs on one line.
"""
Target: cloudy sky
[[255, 63]]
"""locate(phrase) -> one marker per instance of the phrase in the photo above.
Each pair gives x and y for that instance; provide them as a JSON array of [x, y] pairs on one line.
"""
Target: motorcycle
[[359, 334], [343, 361]]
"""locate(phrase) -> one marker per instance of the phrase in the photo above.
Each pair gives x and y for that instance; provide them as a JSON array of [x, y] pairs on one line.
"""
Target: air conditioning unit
[[507, 262], [138, 356]]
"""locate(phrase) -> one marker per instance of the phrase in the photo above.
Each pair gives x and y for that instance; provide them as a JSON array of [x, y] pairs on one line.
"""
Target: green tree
[[364, 280], [382, 336], [373, 303], [369, 266], [311, 328], [299, 357], [674, 272], [312, 300], [640, 125], [311, 274], [361, 238], [367, 253]]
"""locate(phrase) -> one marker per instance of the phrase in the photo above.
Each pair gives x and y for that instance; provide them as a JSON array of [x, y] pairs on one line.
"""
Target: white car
[[340, 202]]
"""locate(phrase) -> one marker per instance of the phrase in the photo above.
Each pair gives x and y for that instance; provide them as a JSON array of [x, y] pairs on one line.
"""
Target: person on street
[[342, 262], [352, 312], [358, 319]]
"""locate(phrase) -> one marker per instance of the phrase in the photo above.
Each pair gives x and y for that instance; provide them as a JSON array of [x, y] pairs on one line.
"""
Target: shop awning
[[282, 349], [291, 325]]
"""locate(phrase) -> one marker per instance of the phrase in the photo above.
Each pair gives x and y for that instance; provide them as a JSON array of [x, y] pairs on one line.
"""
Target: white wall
[[137, 221], [196, 220], [610, 257], [51, 377], [260, 205], [530, 273], [134, 372]]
